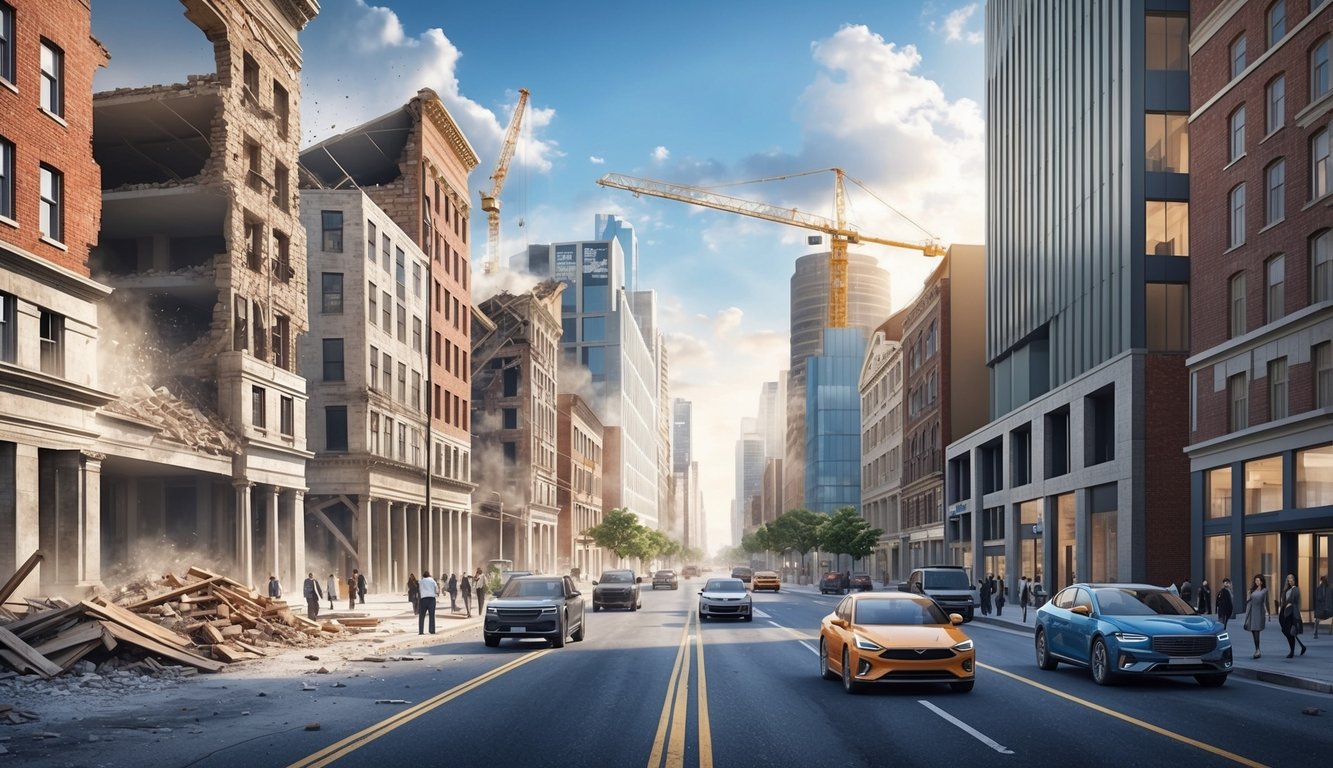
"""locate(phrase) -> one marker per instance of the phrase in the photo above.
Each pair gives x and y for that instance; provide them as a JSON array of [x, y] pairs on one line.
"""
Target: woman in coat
[[453, 593], [1225, 607], [1256, 609], [466, 588], [1323, 603], [1289, 616], [414, 593]]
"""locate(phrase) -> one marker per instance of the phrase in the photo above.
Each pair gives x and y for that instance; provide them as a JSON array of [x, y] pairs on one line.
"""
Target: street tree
[[847, 533], [796, 530], [620, 531]]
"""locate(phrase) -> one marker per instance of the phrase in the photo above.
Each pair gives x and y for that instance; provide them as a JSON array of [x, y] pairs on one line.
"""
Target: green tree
[[847, 533], [621, 532], [796, 530]]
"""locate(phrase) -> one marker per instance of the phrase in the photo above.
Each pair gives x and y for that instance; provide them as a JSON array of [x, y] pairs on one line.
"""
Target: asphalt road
[[654, 688]]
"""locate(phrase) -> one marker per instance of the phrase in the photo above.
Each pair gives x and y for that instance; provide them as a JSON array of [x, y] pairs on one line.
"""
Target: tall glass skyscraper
[[833, 422]]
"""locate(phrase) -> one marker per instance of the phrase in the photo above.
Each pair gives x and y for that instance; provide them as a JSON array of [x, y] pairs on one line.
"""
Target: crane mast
[[839, 232], [490, 203]]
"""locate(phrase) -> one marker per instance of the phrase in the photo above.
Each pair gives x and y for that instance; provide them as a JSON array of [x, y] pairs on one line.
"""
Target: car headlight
[[1130, 637], [966, 645], [866, 644], [1224, 637], [549, 609], [490, 610]]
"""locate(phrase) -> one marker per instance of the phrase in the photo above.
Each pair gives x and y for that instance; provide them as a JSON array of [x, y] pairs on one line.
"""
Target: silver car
[[725, 598]]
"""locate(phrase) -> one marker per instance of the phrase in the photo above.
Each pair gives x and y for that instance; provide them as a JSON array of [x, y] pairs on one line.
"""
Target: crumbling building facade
[[201, 241]]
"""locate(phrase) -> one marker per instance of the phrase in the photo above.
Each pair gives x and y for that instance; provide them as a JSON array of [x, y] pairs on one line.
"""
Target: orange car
[[765, 580], [894, 637]]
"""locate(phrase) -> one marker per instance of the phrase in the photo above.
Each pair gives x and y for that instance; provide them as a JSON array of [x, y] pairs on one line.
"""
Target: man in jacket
[[274, 588], [312, 596], [1205, 598], [428, 590], [332, 589], [360, 585]]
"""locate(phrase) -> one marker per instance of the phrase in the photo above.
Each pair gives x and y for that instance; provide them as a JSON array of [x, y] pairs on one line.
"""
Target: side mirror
[[955, 618], [638, 579], [701, 591], [838, 621], [594, 582], [903, 587], [1081, 610]]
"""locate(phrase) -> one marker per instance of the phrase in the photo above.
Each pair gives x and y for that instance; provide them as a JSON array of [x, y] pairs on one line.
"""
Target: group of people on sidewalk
[[992, 591], [422, 594], [1256, 614], [313, 594]]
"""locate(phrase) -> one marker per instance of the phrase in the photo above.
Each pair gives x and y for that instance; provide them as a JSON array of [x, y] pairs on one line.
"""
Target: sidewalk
[[397, 620], [1311, 672]]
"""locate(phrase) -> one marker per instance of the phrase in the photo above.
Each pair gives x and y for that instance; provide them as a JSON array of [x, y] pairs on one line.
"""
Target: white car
[[725, 598]]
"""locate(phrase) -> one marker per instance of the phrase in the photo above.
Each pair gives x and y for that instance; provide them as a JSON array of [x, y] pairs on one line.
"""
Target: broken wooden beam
[[28, 656], [22, 573]]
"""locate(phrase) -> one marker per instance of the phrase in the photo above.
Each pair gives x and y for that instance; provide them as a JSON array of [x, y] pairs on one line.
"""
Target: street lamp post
[[501, 520]]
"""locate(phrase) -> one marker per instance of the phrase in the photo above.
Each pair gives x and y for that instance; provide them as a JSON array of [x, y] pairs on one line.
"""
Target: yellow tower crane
[[839, 232], [491, 203]]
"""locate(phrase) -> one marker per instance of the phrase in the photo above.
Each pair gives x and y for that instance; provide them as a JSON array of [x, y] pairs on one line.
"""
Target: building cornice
[[1213, 23], [439, 116]]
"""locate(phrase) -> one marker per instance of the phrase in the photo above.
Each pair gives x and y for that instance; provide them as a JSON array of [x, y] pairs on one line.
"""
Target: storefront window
[[1263, 486], [1217, 566], [1105, 562], [1219, 492], [1314, 477], [1260, 558], [1032, 542], [1066, 562]]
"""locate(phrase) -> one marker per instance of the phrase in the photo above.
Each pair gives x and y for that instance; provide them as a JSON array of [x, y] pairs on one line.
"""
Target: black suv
[[618, 588], [948, 585], [547, 607]]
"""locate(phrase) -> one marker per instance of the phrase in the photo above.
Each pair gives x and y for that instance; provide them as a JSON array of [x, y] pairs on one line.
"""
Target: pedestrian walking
[[1025, 598], [351, 592], [360, 585], [274, 588], [1256, 609], [1187, 592], [453, 593], [466, 589], [1323, 603], [312, 596], [1205, 598], [1289, 616], [414, 591], [985, 596], [480, 587], [427, 591], [1226, 608], [999, 598], [332, 589]]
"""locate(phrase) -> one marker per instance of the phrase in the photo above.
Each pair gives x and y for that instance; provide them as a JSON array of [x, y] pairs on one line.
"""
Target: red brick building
[[50, 209], [1261, 365]]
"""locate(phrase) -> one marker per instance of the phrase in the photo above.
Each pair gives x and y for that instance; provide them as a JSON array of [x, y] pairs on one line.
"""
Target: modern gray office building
[[1080, 475]]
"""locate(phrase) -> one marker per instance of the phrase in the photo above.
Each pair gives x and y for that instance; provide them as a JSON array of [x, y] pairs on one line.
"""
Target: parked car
[[861, 582], [689, 571], [743, 573], [895, 637], [618, 589], [1131, 629], [547, 607], [834, 583], [948, 585], [725, 598], [665, 579], [766, 580]]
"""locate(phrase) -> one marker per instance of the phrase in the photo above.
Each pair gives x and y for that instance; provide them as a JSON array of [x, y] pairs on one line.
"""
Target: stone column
[[244, 535], [272, 542], [297, 550], [416, 561], [467, 538], [90, 513], [365, 538], [399, 514], [429, 532]]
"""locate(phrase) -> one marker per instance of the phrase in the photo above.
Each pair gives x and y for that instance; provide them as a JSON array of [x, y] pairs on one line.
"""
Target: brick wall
[[1166, 471], [66, 143]]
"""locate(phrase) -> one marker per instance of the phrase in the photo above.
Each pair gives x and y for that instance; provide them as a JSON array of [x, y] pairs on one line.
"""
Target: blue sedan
[[1131, 629]]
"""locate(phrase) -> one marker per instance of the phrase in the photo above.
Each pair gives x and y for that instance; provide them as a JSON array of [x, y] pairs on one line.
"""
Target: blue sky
[[691, 92]]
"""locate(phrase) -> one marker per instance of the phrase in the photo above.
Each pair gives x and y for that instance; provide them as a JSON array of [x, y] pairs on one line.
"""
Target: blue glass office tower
[[833, 422]]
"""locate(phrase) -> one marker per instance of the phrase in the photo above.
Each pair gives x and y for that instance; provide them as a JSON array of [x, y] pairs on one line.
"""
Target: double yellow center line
[[669, 743], [357, 740]]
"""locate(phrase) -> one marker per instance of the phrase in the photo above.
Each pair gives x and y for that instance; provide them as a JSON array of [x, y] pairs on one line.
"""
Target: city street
[[654, 688]]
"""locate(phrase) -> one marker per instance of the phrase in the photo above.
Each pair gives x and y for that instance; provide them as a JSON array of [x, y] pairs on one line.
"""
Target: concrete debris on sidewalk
[[200, 621]]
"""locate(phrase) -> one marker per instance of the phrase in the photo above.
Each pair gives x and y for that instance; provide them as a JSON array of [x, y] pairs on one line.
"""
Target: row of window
[[50, 69], [256, 181], [279, 254], [251, 333], [1278, 378], [409, 439], [51, 194], [376, 382], [250, 78], [882, 469], [1320, 248], [50, 337], [1275, 188], [259, 409], [1275, 30], [380, 312], [1263, 484]]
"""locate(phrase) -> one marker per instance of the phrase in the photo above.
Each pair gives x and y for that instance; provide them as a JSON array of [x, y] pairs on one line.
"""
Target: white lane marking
[[808, 647], [760, 613], [978, 735]]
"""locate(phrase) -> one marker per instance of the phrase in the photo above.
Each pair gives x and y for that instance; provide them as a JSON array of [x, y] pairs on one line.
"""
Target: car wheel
[[962, 686], [824, 670], [1211, 681], [491, 640], [578, 633], [748, 617], [848, 683], [1101, 663], [702, 616], [1044, 659], [559, 640], [634, 606]]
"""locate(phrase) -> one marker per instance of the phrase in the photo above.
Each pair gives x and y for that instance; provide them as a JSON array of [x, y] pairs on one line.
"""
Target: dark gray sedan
[[545, 607]]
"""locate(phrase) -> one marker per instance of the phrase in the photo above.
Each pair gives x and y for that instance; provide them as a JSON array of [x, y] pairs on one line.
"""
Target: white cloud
[[727, 321], [661, 154], [956, 22], [595, 160]]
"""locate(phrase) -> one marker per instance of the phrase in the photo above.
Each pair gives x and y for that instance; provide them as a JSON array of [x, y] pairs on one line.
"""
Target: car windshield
[[724, 585], [533, 588], [949, 579], [617, 577], [1124, 601], [899, 612], [665, 574]]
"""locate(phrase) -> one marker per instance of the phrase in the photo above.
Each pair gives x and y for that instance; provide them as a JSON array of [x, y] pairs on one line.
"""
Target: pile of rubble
[[200, 621], [178, 419]]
